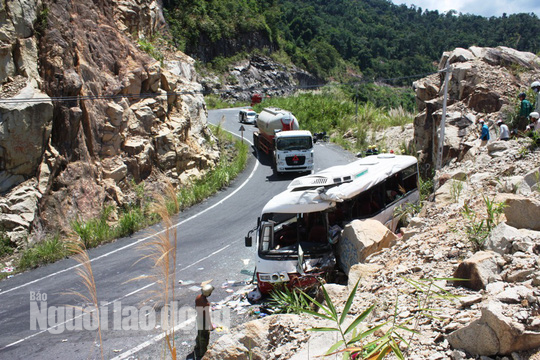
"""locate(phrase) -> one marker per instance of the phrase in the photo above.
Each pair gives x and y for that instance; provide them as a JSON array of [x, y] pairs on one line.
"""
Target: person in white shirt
[[505, 132], [535, 123]]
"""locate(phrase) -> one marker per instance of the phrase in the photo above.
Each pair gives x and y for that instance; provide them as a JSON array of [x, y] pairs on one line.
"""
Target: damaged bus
[[298, 228]]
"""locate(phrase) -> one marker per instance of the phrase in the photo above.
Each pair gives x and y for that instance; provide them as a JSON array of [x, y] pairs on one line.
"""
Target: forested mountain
[[333, 37]]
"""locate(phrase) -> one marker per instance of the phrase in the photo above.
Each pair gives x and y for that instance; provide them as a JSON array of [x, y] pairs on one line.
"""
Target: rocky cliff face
[[484, 83], [258, 74], [84, 112]]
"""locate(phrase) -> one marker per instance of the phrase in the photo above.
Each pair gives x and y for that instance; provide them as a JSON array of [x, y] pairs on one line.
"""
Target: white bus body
[[298, 227]]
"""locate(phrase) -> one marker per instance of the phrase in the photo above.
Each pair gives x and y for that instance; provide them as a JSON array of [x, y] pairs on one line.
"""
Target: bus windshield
[[294, 143], [284, 232]]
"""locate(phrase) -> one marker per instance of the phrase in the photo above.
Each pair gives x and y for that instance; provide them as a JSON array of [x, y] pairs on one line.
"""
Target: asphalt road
[[210, 240]]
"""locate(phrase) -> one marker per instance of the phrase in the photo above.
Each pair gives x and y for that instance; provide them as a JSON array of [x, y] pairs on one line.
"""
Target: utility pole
[[443, 120]]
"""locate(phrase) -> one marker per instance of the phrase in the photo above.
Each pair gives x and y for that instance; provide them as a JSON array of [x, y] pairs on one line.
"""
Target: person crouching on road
[[204, 321], [505, 131], [484, 134]]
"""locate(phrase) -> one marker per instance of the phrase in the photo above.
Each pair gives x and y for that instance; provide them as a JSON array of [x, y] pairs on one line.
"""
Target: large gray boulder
[[478, 270], [25, 127], [521, 212], [501, 238], [494, 334], [361, 238]]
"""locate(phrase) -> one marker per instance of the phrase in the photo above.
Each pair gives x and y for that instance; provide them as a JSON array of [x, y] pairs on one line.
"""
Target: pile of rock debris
[[492, 190]]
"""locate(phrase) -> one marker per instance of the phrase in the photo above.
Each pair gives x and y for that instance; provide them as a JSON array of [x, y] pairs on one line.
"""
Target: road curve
[[210, 246]]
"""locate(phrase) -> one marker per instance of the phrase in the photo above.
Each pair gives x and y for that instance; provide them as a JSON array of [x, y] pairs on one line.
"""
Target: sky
[[477, 7]]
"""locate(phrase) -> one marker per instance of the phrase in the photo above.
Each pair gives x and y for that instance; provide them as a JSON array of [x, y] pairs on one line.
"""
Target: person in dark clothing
[[204, 321], [525, 109]]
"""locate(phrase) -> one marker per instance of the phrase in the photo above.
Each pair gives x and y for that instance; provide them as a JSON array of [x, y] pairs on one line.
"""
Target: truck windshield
[[290, 230], [294, 143]]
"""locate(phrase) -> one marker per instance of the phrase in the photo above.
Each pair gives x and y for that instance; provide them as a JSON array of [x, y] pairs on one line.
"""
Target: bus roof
[[320, 191]]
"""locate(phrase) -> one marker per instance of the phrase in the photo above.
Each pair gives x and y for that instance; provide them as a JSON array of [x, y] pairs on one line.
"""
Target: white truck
[[279, 136]]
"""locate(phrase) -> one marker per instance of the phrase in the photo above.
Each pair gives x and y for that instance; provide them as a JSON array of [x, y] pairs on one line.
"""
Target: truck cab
[[293, 151]]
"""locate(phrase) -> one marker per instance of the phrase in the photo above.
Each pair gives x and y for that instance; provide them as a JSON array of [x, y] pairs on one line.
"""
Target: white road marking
[[140, 240], [120, 298], [157, 338]]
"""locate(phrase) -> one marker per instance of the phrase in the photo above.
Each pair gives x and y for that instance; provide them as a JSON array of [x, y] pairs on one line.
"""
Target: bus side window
[[394, 188], [410, 178]]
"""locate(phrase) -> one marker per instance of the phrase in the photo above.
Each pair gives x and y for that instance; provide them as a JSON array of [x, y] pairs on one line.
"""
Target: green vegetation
[[6, 246], [334, 38], [456, 189], [286, 301], [334, 111], [363, 342], [479, 227], [149, 48], [45, 252], [213, 101], [41, 22]]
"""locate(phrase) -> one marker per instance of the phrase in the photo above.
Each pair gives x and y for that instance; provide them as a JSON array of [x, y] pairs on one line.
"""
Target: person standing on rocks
[[204, 321], [535, 86], [525, 109], [504, 131], [484, 135]]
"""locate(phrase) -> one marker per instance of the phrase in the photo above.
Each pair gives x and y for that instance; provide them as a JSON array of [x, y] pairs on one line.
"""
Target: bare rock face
[[482, 84], [25, 127], [107, 114], [259, 72]]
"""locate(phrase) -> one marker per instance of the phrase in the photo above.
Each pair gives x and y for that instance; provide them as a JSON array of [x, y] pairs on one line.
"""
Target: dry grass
[[161, 251], [86, 275]]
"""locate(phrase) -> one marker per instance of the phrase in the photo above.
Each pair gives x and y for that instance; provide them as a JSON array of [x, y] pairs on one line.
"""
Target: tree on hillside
[[375, 37]]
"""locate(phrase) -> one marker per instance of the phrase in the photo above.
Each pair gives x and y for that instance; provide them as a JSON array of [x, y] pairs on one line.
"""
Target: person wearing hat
[[504, 131], [204, 321], [535, 86], [534, 126], [484, 135]]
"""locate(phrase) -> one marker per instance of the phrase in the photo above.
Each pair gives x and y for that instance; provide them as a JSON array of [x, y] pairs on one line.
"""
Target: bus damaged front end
[[294, 241]]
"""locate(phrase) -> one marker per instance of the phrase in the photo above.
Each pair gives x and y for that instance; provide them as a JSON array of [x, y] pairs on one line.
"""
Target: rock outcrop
[[96, 115], [259, 74], [483, 83]]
